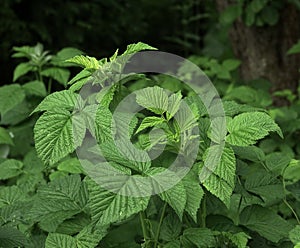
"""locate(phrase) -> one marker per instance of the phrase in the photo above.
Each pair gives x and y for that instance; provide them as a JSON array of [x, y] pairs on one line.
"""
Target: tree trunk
[[262, 50]]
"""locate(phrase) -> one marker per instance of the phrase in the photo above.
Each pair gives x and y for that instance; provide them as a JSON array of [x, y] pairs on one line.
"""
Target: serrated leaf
[[86, 62], [170, 228], [10, 168], [35, 88], [107, 207], [239, 239], [59, 200], [54, 136], [65, 99], [59, 74], [55, 240], [133, 48], [294, 235], [265, 185], [5, 138], [199, 237], [10, 195], [176, 196], [218, 172], [247, 128], [149, 121], [264, 221], [173, 104], [194, 193], [120, 152], [233, 108], [153, 98], [22, 69], [251, 153], [89, 236], [11, 237], [71, 165], [10, 96]]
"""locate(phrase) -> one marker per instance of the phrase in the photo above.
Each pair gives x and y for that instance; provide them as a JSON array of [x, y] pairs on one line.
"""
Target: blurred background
[[257, 32]]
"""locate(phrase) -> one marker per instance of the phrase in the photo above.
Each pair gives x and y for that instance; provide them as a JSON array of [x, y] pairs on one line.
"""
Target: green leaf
[[119, 152], [246, 128], [66, 53], [230, 14], [277, 161], [140, 46], [176, 196], [90, 236], [107, 207], [11, 237], [231, 64], [294, 235], [194, 193], [5, 137], [54, 136], [149, 121], [65, 99], [239, 239], [251, 153], [35, 88], [60, 240], [85, 61], [71, 165], [59, 74], [173, 104], [294, 49], [265, 185], [153, 98], [58, 201], [221, 173], [22, 69], [10, 168], [199, 237], [10, 195], [291, 172], [170, 228], [10, 96], [264, 221]]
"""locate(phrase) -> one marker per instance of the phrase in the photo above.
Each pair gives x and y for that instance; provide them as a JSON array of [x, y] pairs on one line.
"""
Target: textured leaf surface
[[107, 207], [264, 221], [247, 128], [194, 193], [221, 179], [54, 137], [11, 237], [10, 168], [153, 98], [199, 237], [59, 200], [85, 61], [133, 48], [60, 240], [150, 121], [59, 100]]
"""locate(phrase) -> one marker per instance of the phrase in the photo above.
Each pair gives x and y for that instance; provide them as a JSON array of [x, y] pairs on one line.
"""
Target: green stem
[[144, 227], [159, 225], [203, 211], [49, 86]]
